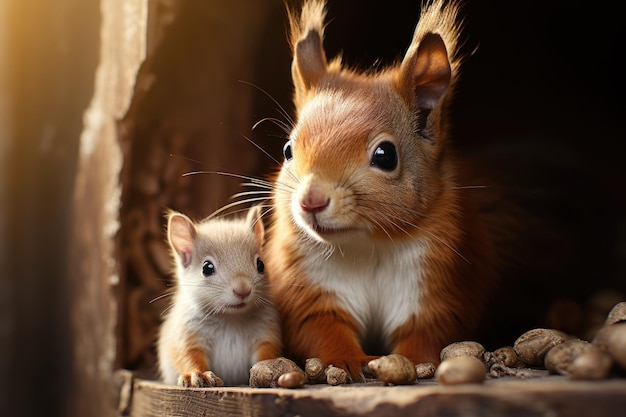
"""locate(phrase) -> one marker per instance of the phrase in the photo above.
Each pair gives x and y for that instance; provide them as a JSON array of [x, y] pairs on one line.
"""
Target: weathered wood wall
[[93, 265]]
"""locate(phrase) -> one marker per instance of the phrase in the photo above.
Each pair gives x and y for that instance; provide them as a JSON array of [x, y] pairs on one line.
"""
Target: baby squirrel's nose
[[242, 291]]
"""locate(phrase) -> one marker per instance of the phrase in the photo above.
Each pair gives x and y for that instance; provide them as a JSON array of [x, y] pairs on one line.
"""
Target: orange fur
[[308, 326], [455, 292], [188, 355], [268, 349]]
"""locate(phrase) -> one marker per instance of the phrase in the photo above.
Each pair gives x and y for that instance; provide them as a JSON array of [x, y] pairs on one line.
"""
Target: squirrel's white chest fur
[[233, 342], [230, 342], [378, 284]]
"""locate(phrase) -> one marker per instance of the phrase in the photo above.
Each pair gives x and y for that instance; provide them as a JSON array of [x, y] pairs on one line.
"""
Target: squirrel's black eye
[[208, 268], [385, 157], [287, 151], [260, 266]]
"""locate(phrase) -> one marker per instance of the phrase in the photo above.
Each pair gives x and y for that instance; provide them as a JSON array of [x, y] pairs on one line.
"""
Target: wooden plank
[[547, 396]]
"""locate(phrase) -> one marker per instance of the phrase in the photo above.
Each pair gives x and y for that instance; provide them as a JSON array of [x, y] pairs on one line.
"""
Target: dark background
[[548, 74]]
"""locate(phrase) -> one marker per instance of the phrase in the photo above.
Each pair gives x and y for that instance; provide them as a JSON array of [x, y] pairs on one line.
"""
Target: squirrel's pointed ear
[[307, 36], [429, 68], [426, 71], [181, 234]]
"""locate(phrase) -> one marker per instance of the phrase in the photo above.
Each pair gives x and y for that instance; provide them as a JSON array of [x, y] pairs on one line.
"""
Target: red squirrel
[[221, 321], [373, 248]]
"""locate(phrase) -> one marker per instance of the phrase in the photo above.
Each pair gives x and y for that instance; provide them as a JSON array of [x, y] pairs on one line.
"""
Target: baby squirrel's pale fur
[[372, 247], [220, 322]]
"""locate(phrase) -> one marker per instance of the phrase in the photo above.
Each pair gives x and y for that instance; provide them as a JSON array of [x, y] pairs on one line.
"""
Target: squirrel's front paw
[[200, 379]]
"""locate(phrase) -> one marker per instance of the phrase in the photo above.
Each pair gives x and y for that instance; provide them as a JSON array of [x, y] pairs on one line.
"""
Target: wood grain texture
[[92, 260], [547, 396]]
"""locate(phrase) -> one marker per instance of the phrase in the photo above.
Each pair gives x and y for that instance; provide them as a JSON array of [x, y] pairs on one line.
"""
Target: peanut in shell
[[466, 348], [461, 370], [532, 346], [394, 369]]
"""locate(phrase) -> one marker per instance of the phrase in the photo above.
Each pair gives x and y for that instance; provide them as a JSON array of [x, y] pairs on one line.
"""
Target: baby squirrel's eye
[[287, 151], [260, 266], [385, 156], [208, 268]]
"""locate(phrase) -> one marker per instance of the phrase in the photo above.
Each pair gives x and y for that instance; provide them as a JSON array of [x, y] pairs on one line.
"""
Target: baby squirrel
[[221, 321], [372, 246]]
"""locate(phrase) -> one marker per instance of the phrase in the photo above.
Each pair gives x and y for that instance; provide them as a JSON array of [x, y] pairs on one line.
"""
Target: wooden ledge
[[546, 396]]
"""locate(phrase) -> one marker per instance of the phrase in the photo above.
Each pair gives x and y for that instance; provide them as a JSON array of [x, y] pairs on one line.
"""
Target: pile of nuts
[[284, 373], [536, 352]]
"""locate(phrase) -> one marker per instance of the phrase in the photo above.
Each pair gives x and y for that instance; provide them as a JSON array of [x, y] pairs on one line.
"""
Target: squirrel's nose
[[312, 205], [314, 199]]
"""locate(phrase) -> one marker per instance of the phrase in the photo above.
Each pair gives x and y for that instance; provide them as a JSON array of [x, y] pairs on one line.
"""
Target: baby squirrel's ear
[[255, 219], [307, 35], [181, 233]]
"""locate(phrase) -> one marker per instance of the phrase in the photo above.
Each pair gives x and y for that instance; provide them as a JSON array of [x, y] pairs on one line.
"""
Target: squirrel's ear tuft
[[307, 36]]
